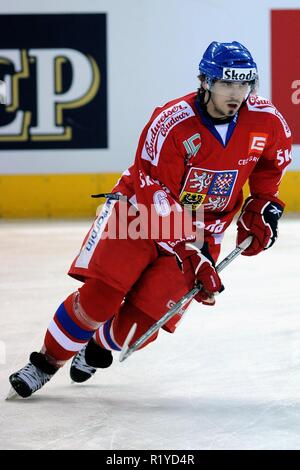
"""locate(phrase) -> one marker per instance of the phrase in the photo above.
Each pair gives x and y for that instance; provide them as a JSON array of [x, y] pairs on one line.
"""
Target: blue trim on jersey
[[211, 126], [106, 332], [67, 323]]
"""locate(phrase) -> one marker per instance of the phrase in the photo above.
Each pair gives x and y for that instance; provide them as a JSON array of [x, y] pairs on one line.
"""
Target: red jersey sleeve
[[265, 180]]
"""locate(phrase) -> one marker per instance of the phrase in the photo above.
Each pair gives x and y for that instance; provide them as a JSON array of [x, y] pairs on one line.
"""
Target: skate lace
[[34, 377], [80, 363]]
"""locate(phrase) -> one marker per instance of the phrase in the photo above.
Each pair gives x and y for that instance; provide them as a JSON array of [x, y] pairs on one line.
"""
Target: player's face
[[227, 98]]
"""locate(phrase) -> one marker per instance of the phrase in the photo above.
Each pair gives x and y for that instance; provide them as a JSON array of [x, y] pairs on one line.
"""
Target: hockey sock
[[77, 318], [112, 334], [105, 337], [67, 333]]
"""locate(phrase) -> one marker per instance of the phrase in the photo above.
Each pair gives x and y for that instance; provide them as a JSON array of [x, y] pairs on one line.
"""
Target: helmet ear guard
[[205, 82]]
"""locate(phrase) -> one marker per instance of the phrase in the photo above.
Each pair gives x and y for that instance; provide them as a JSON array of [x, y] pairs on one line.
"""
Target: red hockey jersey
[[183, 158]]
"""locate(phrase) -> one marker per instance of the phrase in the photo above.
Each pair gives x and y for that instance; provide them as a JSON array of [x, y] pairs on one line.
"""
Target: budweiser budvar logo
[[160, 128], [163, 128], [258, 101]]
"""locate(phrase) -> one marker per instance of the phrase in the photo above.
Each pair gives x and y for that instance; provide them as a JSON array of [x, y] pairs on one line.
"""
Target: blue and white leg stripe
[[107, 336], [62, 339], [66, 332], [70, 326]]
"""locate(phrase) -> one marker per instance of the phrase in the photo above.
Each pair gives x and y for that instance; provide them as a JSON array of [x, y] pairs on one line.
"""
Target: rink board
[[68, 195]]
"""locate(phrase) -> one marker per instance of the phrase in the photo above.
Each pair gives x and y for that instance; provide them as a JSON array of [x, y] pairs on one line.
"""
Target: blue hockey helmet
[[229, 61]]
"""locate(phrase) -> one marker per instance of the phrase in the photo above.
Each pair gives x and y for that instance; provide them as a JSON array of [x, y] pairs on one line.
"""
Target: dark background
[[83, 32]]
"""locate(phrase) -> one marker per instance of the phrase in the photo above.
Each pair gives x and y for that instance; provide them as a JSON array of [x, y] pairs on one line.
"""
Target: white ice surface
[[229, 378]]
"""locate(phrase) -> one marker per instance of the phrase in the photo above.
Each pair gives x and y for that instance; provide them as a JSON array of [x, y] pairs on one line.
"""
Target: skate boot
[[88, 360], [32, 377]]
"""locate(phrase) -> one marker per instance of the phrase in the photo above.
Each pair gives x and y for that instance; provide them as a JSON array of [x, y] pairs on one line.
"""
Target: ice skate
[[88, 360], [32, 377]]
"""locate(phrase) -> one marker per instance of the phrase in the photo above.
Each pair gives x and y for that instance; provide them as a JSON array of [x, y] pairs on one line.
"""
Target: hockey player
[[198, 150]]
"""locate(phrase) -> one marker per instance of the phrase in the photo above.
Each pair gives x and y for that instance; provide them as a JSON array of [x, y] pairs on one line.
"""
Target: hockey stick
[[128, 350]]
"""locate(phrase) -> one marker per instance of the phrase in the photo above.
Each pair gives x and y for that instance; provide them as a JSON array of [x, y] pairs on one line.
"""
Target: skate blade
[[125, 348], [12, 395]]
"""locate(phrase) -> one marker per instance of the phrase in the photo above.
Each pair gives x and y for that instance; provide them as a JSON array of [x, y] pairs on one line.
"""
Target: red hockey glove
[[259, 218], [198, 267]]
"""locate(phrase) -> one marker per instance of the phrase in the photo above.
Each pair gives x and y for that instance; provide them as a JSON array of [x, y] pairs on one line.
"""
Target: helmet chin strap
[[209, 97]]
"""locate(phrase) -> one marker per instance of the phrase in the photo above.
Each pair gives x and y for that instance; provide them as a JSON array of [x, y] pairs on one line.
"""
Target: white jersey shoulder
[[263, 105], [161, 126]]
